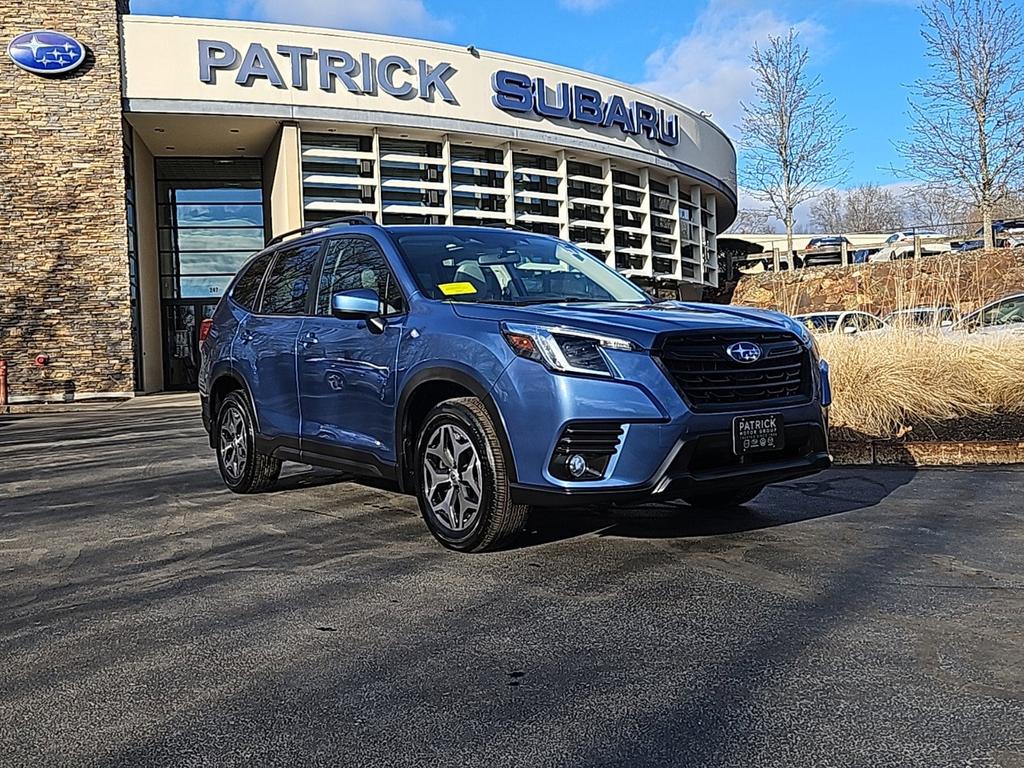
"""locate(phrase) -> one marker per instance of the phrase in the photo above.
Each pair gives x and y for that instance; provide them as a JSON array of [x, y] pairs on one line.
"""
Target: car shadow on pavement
[[832, 493]]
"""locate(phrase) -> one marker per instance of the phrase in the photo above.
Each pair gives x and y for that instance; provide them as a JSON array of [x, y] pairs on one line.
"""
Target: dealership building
[[144, 158]]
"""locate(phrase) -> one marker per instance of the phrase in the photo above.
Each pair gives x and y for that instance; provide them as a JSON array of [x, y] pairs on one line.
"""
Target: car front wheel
[[462, 480]]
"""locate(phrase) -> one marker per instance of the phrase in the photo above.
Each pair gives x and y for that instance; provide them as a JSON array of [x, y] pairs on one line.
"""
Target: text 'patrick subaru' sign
[[515, 92], [360, 73], [45, 52]]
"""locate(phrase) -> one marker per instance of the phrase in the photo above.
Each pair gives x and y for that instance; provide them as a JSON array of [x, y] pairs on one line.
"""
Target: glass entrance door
[[210, 220], [181, 342]]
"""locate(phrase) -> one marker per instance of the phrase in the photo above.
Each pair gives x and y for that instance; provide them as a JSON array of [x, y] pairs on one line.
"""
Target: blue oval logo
[[744, 352], [45, 52]]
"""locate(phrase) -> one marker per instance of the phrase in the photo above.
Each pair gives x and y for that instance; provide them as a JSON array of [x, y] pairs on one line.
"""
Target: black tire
[[463, 519], [725, 499], [242, 467]]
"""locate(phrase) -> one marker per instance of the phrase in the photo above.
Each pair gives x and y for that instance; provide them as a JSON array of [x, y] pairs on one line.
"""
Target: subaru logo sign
[[744, 352], [45, 52]]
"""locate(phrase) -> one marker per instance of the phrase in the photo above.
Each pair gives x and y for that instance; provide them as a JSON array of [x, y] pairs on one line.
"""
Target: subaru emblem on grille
[[744, 352]]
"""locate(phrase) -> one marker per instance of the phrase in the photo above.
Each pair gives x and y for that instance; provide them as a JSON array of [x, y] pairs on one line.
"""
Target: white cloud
[[708, 69], [587, 6], [409, 17]]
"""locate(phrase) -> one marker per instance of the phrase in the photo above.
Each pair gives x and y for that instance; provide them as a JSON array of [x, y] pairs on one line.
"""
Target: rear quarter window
[[247, 286]]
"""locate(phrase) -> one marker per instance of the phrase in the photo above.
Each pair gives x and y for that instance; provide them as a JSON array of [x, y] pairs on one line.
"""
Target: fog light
[[577, 465]]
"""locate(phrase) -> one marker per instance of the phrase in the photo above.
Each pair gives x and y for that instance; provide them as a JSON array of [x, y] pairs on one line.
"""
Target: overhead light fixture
[[169, 149], [159, 130], [234, 130], [240, 149]]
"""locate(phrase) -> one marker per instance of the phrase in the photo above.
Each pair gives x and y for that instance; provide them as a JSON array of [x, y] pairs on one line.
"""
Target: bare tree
[[867, 208], [871, 208], [937, 207], [792, 135], [828, 214], [968, 116], [752, 221]]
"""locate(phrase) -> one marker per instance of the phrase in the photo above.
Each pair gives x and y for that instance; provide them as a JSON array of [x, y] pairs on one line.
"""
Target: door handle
[[310, 339]]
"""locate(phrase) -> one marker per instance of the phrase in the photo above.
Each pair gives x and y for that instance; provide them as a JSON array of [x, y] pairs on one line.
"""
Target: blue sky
[[695, 51]]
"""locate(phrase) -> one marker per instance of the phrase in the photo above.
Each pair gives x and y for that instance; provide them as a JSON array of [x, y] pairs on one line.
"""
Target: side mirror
[[357, 304]]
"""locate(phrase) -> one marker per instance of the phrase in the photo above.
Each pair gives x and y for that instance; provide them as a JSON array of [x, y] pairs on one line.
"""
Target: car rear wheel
[[724, 500], [243, 468], [462, 481]]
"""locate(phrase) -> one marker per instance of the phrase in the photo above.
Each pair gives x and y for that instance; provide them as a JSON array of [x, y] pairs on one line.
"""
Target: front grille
[[709, 379]]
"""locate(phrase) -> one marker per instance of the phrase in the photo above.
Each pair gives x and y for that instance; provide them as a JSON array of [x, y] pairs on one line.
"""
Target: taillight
[[204, 329]]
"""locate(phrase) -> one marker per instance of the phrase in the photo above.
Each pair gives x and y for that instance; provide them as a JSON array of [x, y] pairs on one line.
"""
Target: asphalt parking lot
[[150, 617]]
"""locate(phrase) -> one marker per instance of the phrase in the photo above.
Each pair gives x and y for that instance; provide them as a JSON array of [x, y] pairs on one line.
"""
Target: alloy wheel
[[233, 449], [452, 478]]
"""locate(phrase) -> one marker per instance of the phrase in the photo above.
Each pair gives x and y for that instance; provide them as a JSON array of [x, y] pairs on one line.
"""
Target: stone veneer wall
[[966, 281], [64, 286]]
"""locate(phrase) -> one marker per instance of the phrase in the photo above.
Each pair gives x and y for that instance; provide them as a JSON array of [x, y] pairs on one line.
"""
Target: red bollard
[[3, 383]]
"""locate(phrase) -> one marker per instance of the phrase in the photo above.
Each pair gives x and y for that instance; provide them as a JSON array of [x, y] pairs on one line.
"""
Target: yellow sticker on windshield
[[456, 289]]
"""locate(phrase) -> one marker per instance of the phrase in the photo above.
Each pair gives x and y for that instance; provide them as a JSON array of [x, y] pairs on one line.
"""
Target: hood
[[640, 323]]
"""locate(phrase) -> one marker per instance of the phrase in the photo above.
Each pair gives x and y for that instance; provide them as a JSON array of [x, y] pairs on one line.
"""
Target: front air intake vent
[[595, 442]]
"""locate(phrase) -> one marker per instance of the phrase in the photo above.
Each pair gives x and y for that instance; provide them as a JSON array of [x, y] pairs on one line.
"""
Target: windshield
[[918, 318], [826, 323], [508, 267]]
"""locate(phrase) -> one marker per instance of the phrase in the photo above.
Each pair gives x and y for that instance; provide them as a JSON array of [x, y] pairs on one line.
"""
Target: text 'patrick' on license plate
[[754, 434]]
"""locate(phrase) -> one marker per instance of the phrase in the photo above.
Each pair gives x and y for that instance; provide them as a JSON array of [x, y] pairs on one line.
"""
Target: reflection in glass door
[[210, 220], [181, 342]]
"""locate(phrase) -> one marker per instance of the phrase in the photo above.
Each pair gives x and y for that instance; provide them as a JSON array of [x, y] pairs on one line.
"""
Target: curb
[[928, 454]]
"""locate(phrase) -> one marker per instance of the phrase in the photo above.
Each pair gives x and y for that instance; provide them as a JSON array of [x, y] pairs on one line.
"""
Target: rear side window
[[288, 282], [247, 287], [356, 262]]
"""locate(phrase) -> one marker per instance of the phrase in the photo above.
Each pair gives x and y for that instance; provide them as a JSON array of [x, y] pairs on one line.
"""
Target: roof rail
[[355, 220]]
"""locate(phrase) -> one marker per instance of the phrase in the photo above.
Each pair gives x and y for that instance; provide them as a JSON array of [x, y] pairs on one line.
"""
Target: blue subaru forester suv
[[489, 371]]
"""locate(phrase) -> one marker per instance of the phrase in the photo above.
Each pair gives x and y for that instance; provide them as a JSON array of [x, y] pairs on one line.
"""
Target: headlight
[[564, 349], [813, 344], [807, 336]]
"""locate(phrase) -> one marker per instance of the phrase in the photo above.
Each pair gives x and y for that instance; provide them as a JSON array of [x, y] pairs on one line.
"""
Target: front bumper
[[667, 450], [700, 465]]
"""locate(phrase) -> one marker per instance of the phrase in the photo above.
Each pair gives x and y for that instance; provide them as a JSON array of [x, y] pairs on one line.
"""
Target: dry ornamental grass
[[883, 384]]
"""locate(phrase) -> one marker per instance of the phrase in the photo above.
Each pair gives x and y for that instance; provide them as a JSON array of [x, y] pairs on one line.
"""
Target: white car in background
[[1003, 316], [848, 323], [900, 245], [923, 318]]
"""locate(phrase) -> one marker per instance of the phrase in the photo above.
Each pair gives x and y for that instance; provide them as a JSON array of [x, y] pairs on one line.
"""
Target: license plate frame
[[761, 433]]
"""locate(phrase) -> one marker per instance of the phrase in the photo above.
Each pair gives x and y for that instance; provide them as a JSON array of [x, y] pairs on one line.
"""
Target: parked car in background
[[821, 251], [968, 245], [1005, 315], [923, 318], [1006, 233], [1004, 230], [901, 245], [849, 323]]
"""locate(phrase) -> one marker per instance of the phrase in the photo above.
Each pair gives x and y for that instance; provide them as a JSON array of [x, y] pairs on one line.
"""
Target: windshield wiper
[[564, 300]]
